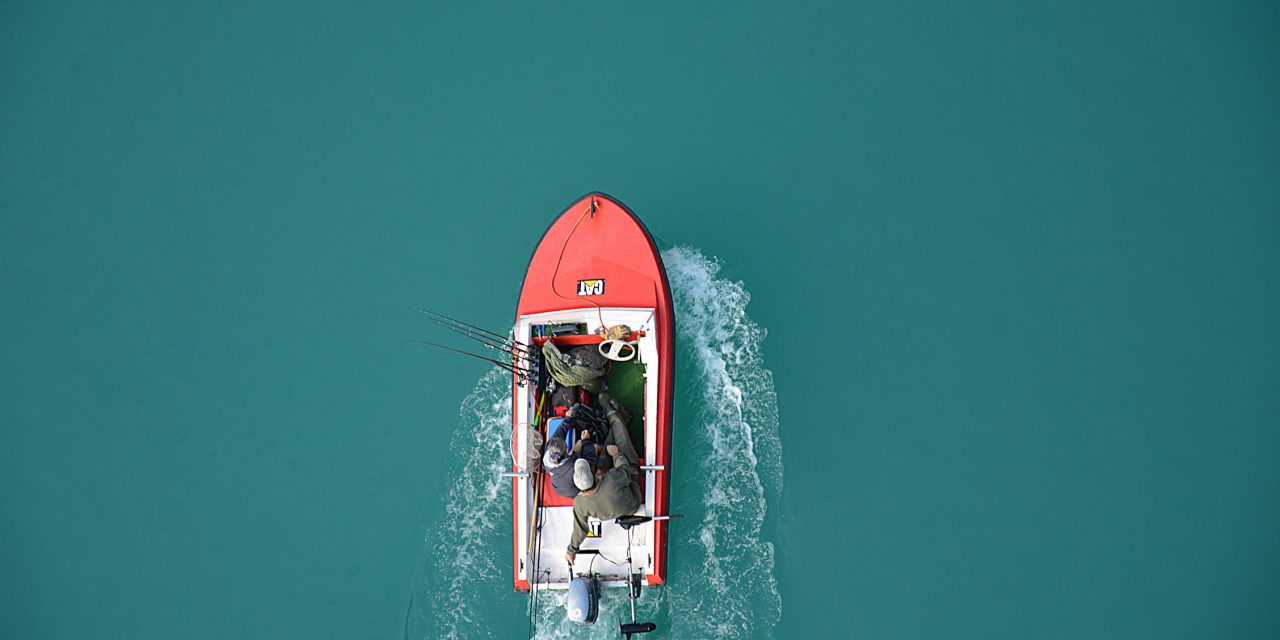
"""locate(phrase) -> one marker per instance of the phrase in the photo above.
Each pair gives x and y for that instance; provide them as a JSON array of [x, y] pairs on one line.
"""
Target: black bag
[[584, 417], [564, 396]]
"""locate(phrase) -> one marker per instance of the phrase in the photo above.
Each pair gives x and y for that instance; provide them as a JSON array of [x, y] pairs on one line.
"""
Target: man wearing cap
[[561, 463], [606, 494]]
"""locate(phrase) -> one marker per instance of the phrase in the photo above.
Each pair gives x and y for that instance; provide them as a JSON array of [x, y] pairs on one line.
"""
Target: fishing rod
[[475, 334], [513, 349], [514, 367], [519, 371], [439, 317], [535, 537], [487, 338]]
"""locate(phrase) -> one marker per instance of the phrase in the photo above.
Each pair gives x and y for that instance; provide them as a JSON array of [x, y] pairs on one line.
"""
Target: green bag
[[571, 370]]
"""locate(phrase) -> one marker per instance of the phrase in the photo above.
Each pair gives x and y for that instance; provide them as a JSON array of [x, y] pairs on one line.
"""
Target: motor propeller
[[633, 627], [637, 627]]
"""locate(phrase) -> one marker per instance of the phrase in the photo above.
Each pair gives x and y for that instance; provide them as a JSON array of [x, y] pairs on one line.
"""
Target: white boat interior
[[542, 532]]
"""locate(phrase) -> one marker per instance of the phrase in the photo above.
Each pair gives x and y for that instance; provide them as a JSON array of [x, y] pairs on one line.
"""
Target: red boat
[[595, 267]]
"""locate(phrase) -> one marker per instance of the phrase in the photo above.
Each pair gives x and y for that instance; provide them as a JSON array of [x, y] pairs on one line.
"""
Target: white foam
[[729, 590], [553, 623], [468, 544]]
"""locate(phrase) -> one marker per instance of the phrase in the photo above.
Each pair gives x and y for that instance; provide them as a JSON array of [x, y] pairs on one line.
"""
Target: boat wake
[[727, 464], [722, 579], [464, 551]]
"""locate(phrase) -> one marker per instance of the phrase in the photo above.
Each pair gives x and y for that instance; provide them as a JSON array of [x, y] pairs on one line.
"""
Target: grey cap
[[557, 453], [583, 478]]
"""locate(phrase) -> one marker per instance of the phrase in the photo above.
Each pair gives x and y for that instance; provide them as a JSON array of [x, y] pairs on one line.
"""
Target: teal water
[[1011, 273]]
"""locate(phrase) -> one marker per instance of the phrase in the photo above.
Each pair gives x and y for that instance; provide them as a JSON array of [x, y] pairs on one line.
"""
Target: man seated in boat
[[606, 494], [560, 461]]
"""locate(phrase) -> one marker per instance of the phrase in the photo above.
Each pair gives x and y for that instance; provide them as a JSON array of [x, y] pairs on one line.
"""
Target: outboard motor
[[583, 603], [633, 579]]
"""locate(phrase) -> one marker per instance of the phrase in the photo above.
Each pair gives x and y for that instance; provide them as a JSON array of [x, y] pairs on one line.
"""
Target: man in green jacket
[[615, 492]]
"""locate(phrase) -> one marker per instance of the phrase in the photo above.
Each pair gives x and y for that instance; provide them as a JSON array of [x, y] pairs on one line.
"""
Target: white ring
[[611, 349]]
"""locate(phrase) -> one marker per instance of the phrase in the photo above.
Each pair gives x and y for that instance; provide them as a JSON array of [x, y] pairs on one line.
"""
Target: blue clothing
[[562, 476]]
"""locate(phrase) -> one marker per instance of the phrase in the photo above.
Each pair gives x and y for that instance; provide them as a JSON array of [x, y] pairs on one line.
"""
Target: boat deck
[[542, 534]]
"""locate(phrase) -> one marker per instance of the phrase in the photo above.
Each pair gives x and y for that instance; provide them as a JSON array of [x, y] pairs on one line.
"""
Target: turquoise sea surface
[[978, 305]]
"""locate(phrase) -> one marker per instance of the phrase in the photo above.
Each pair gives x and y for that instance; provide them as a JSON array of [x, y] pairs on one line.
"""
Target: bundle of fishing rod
[[512, 356]]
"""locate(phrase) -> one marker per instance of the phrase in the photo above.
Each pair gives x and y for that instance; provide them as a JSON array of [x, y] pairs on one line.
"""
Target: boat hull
[[597, 265]]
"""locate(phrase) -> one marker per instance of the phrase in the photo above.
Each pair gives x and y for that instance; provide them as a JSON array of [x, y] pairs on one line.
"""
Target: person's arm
[[583, 439], [619, 460], [579, 528]]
